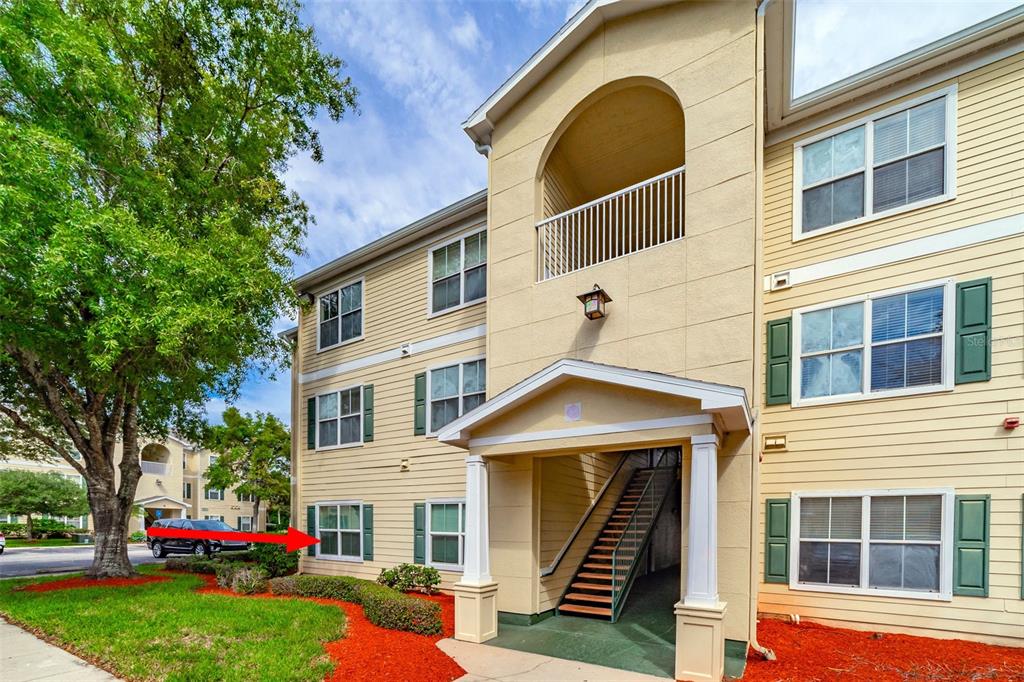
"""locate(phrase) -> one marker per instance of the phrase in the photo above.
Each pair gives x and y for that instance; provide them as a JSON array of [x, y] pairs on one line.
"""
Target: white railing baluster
[[647, 214]]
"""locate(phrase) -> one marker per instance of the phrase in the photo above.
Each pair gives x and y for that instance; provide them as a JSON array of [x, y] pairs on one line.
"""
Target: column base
[[700, 642], [476, 612]]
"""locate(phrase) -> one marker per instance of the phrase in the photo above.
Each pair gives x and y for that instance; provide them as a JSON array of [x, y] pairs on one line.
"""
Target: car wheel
[[158, 551], [1, 550], [199, 549]]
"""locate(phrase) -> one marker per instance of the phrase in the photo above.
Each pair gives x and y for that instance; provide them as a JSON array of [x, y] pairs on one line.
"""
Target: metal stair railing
[[637, 532]]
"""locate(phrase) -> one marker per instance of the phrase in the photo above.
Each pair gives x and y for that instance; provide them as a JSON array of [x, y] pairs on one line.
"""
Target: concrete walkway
[[24, 657], [489, 663]]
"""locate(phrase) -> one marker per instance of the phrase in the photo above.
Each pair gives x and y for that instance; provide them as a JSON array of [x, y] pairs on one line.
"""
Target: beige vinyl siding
[[568, 486], [943, 439], [395, 294], [990, 173], [371, 472]]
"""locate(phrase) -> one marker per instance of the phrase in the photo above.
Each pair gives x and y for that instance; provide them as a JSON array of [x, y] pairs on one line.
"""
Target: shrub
[[249, 580], [137, 536], [51, 528], [406, 577], [225, 572], [192, 565], [273, 559], [383, 606], [13, 530]]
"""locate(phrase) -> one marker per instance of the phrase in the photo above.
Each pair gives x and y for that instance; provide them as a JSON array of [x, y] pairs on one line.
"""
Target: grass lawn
[[49, 542], [167, 631]]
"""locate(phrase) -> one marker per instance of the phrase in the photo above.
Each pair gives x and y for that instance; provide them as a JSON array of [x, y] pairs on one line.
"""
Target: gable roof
[[162, 498], [727, 402], [574, 31]]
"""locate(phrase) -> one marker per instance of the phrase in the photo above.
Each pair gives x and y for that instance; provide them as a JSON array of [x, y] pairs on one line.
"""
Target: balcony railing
[[646, 214], [155, 468]]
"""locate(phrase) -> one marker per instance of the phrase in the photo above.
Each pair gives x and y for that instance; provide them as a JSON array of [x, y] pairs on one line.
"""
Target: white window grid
[[358, 532], [949, 160], [461, 534], [461, 364], [945, 592], [463, 303], [831, 540], [362, 304], [360, 413], [214, 517], [947, 334], [245, 523]]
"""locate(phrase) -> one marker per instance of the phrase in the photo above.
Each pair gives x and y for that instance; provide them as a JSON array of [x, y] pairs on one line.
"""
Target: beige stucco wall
[[940, 439], [685, 307]]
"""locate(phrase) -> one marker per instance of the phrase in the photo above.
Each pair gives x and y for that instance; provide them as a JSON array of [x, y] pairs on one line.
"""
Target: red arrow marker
[[293, 541]]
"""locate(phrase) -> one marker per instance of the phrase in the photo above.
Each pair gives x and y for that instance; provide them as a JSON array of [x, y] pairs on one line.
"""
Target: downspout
[[758, 368]]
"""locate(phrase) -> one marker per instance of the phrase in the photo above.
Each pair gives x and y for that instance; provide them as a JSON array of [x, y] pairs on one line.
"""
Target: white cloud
[[535, 9], [838, 38], [467, 34]]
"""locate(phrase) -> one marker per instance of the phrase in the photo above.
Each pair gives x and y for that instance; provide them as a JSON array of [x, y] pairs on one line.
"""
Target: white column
[[702, 557], [477, 565]]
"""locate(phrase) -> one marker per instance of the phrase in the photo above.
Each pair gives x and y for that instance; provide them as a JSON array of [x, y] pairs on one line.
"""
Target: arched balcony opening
[[155, 459], [612, 182]]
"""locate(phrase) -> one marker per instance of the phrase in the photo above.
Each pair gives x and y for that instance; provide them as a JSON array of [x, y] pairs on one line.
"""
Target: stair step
[[588, 610], [596, 598], [591, 586], [599, 567], [597, 576]]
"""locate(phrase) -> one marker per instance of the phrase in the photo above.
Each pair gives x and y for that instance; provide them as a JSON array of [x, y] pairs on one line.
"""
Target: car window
[[157, 524], [176, 523], [187, 525], [209, 524]]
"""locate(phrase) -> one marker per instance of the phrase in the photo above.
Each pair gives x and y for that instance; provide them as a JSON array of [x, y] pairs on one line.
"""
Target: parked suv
[[162, 546]]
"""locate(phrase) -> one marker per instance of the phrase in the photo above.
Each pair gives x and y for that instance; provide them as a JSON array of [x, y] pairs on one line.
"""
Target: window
[[890, 162], [455, 390], [214, 493], [339, 527], [340, 316], [186, 491], [249, 497], [458, 273], [339, 418], [446, 533], [890, 343], [879, 542], [245, 523], [214, 517]]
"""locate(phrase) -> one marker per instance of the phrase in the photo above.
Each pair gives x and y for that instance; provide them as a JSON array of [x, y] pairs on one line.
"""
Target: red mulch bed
[[809, 652], [369, 653], [73, 583]]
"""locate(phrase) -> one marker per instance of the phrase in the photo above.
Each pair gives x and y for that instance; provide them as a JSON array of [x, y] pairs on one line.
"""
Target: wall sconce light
[[593, 302], [306, 298]]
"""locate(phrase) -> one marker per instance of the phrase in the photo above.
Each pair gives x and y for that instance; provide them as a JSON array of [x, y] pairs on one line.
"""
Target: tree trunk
[[28, 526], [110, 560], [256, 515]]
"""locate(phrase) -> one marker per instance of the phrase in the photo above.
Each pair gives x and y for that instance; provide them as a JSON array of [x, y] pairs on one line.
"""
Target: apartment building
[[701, 352], [172, 486]]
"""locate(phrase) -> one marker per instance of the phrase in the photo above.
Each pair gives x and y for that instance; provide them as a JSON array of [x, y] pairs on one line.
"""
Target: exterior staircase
[[603, 579]]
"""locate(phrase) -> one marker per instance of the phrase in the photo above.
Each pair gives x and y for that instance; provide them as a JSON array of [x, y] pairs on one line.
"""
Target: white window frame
[[456, 568], [946, 548], [949, 181], [186, 490], [442, 365], [240, 528], [948, 339], [362, 413], [319, 545], [214, 517], [362, 309], [463, 303], [219, 491]]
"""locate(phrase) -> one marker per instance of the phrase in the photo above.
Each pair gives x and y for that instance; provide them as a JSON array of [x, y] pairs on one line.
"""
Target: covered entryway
[[595, 418], [160, 507]]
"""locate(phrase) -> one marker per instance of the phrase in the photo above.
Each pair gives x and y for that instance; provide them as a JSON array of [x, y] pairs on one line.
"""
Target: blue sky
[[423, 66]]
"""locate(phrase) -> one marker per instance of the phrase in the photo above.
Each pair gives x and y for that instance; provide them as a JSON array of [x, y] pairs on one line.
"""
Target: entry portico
[[574, 408]]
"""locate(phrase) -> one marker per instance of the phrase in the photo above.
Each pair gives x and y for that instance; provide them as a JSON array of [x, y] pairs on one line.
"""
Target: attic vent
[[774, 442]]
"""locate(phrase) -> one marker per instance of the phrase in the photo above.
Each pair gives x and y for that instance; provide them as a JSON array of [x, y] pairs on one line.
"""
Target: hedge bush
[[225, 572], [249, 580], [407, 577], [192, 565], [273, 559], [13, 530], [383, 606]]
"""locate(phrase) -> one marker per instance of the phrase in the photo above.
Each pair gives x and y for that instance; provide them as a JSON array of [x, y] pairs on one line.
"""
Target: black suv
[[162, 546]]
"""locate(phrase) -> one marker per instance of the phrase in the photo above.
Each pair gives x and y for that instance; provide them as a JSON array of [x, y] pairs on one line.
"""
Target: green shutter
[[779, 361], [368, 414], [420, 413], [238, 522], [419, 533], [974, 331], [368, 532], [311, 528], [776, 541], [970, 545], [311, 423]]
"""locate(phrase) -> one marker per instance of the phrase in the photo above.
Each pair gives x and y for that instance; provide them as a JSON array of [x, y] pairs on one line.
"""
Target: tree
[[145, 237], [253, 457], [24, 493]]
